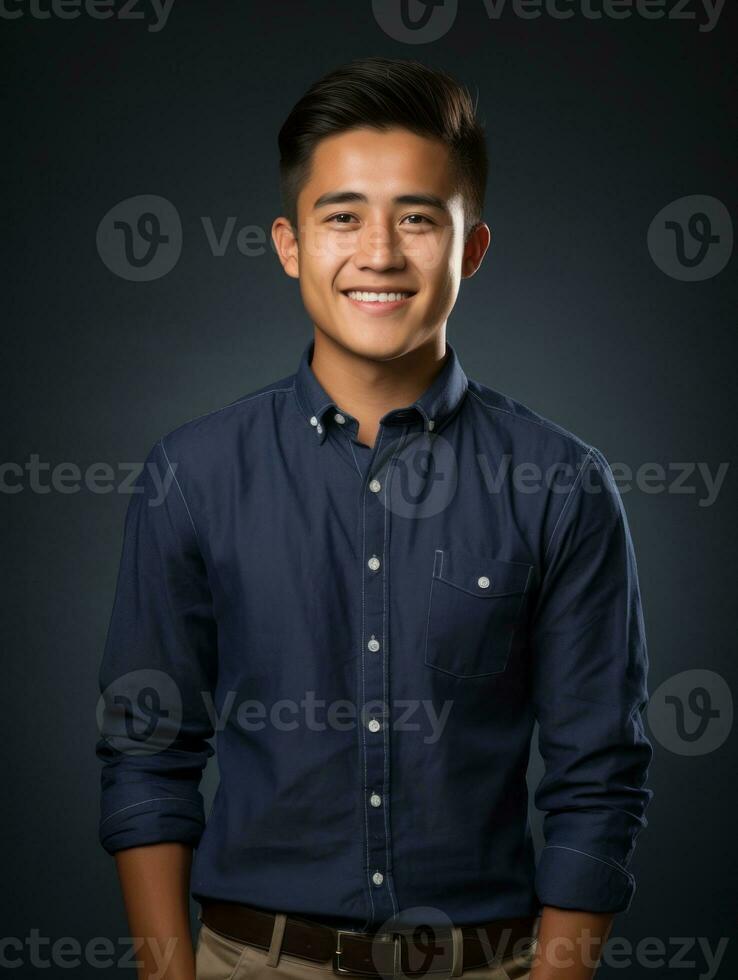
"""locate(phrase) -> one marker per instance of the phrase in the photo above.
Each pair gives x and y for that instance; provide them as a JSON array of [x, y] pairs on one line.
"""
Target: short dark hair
[[382, 93]]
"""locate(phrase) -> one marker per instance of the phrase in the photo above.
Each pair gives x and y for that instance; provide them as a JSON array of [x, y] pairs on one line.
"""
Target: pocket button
[[475, 609]]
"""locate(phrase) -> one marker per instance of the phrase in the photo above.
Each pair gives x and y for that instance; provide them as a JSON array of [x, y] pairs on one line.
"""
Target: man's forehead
[[358, 152], [379, 170]]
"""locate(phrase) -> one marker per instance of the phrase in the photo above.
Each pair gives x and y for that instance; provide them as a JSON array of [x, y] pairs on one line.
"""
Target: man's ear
[[285, 242], [475, 248]]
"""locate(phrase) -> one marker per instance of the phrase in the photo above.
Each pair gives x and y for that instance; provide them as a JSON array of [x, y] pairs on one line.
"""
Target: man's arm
[[589, 685], [160, 660], [570, 943], [155, 883]]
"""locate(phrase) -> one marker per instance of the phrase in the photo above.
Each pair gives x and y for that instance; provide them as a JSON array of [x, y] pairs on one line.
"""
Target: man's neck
[[368, 389]]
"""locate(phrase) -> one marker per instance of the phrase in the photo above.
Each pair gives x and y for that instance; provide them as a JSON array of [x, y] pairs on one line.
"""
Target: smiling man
[[384, 242], [355, 535]]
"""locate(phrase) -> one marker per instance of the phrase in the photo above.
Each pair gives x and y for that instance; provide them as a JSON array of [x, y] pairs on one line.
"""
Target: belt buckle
[[386, 937]]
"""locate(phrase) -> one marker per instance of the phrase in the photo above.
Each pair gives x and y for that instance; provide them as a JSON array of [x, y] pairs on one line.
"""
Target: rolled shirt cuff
[[572, 879], [153, 821]]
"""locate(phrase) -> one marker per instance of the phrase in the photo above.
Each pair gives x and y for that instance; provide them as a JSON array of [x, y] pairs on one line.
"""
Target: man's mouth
[[378, 302], [372, 297]]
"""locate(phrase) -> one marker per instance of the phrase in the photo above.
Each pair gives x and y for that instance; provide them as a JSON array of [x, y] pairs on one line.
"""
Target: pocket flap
[[479, 575]]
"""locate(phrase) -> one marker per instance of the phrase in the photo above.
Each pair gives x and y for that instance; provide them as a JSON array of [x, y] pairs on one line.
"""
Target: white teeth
[[377, 297]]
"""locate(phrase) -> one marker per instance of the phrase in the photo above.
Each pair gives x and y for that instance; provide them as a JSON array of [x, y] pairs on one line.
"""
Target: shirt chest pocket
[[474, 610]]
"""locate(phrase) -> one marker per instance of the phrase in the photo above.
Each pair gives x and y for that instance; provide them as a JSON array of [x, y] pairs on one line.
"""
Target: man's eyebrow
[[351, 197]]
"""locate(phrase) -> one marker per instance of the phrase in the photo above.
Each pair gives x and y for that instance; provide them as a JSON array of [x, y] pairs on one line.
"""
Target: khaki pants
[[220, 958]]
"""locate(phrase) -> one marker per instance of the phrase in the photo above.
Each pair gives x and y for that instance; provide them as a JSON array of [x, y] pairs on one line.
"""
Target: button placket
[[375, 654]]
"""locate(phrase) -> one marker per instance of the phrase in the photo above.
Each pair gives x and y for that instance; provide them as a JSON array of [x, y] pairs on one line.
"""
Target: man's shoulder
[[230, 420], [525, 430]]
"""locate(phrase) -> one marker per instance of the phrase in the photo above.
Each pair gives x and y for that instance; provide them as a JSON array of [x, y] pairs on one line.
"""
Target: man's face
[[381, 213]]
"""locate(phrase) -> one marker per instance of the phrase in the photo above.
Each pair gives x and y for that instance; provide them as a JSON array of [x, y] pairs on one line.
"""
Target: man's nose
[[379, 245]]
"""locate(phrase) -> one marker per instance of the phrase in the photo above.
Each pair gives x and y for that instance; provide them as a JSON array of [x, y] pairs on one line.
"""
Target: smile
[[372, 302]]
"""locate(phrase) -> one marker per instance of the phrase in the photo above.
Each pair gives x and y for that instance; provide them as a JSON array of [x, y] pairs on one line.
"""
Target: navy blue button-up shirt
[[369, 635]]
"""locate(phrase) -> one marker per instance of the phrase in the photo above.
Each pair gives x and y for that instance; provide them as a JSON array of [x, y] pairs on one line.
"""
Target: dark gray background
[[593, 127]]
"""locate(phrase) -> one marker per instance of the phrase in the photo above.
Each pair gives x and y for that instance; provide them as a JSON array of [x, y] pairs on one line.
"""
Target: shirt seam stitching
[[174, 475], [154, 799], [543, 423], [235, 404], [609, 864], [569, 498], [389, 857]]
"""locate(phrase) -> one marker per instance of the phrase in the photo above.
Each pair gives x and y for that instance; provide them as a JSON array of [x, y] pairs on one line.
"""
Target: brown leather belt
[[412, 950]]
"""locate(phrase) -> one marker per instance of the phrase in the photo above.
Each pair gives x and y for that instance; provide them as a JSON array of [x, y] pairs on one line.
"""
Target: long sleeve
[[158, 665], [590, 666]]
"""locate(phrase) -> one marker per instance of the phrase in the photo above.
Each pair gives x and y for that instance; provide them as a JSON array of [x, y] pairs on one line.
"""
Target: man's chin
[[375, 342]]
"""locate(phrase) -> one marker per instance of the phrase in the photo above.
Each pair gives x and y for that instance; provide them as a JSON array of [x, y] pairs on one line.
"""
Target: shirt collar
[[437, 403]]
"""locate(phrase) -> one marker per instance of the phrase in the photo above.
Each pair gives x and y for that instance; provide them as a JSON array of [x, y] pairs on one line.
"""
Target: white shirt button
[[375, 799], [375, 486], [483, 582], [373, 644], [373, 563], [377, 877], [431, 424], [313, 420], [319, 429], [374, 725], [339, 418]]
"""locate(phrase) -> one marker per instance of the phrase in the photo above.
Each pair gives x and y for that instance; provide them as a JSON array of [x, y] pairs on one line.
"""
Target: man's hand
[[570, 944]]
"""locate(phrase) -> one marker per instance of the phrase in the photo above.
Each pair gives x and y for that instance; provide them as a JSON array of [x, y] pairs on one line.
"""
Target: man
[[371, 578]]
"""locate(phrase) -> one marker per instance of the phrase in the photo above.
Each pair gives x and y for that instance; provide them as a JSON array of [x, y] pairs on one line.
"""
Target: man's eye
[[344, 215], [422, 218]]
